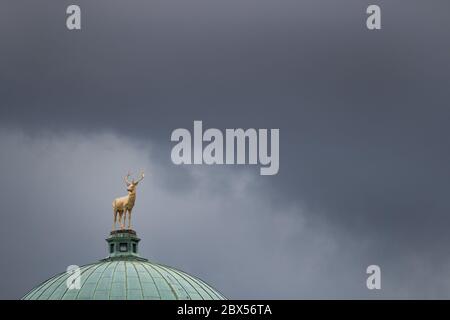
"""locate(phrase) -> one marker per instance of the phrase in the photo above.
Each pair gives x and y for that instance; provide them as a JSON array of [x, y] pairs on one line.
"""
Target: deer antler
[[141, 177], [126, 178]]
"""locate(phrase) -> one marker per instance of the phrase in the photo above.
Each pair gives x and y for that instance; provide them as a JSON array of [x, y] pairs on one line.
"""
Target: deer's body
[[123, 205]]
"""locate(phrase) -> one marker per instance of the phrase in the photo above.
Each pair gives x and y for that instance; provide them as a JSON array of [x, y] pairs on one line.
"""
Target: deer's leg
[[129, 219], [115, 219], [123, 214]]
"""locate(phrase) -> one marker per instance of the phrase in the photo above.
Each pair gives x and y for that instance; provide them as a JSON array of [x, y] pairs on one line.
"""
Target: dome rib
[[60, 285], [101, 277], [105, 281], [112, 279], [126, 280], [192, 279], [203, 286], [144, 266], [48, 285], [162, 277], [187, 282], [166, 269], [140, 283], [86, 280], [173, 273]]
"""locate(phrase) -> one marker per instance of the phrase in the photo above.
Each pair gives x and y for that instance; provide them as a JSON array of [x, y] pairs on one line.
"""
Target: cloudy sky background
[[364, 149]]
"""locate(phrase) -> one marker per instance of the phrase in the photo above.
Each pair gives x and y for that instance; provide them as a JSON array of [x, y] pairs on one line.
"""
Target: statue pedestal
[[123, 244], [123, 231]]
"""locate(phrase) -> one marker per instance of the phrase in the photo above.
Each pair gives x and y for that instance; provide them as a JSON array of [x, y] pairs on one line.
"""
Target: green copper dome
[[125, 276], [126, 280]]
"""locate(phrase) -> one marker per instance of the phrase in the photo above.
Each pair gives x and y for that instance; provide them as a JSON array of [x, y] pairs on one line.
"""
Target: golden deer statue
[[125, 204]]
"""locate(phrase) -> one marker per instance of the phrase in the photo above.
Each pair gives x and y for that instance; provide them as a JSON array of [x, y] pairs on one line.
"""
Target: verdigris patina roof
[[126, 280]]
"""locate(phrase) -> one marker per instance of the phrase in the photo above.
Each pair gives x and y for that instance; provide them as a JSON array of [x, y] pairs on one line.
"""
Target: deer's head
[[131, 185]]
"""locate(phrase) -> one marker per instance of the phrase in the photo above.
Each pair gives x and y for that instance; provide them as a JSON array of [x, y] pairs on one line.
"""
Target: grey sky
[[364, 150]]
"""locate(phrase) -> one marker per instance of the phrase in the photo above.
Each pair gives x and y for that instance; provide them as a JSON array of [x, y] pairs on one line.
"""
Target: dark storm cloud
[[362, 115], [225, 229], [222, 229]]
